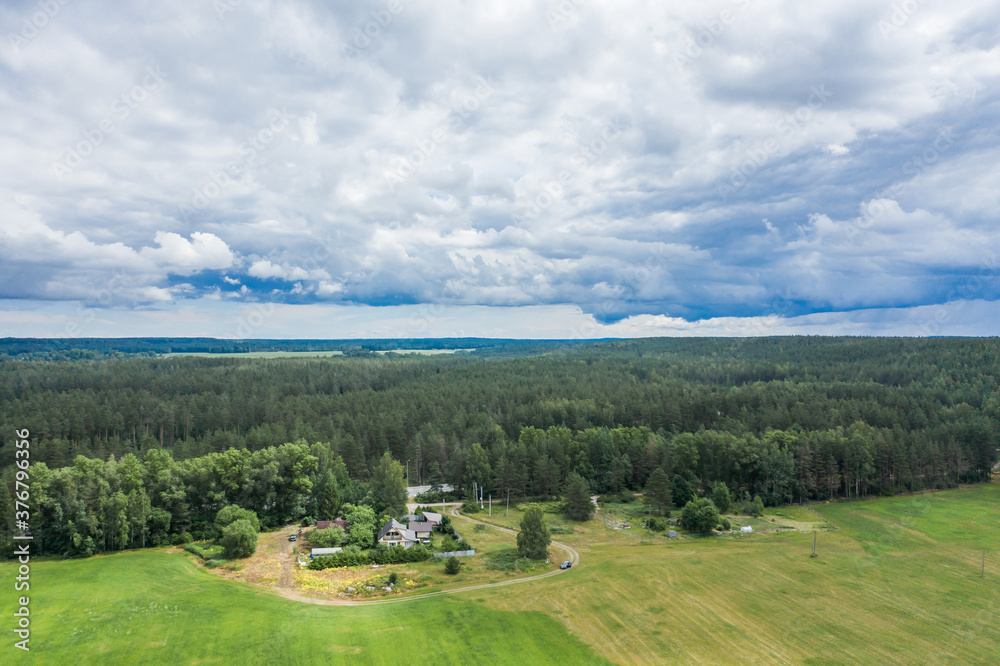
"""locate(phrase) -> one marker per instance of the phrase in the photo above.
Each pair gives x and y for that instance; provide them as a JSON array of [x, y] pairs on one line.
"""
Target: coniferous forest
[[129, 450]]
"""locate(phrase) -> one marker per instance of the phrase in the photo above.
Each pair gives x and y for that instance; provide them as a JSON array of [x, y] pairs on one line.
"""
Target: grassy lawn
[[897, 581], [156, 607]]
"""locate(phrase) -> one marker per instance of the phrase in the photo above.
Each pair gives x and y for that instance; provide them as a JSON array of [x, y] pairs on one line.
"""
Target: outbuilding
[[316, 552], [746, 529]]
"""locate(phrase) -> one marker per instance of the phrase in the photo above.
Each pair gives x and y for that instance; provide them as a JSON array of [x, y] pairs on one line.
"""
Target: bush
[[375, 556], [330, 537], [182, 538], [452, 566], [479, 527], [724, 524], [471, 507], [230, 514], [626, 497], [393, 578], [657, 524], [700, 515], [306, 522], [239, 539], [754, 507]]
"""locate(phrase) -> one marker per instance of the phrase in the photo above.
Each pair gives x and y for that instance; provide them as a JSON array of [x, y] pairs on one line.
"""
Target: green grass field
[[157, 607], [897, 581]]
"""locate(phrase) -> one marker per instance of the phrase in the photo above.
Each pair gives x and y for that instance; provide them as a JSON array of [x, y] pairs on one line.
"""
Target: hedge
[[376, 556]]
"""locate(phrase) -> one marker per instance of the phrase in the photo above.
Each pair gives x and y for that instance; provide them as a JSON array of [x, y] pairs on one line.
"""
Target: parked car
[[566, 565], [291, 537]]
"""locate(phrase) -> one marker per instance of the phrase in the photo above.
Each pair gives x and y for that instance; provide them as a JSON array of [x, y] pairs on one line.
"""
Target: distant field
[[311, 354], [260, 354], [897, 581], [421, 352]]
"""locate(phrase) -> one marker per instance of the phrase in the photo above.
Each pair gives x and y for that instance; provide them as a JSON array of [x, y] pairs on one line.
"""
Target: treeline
[[59, 349], [95, 506], [784, 418]]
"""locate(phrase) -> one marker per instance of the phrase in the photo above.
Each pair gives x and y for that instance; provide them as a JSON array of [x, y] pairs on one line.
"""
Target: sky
[[573, 169]]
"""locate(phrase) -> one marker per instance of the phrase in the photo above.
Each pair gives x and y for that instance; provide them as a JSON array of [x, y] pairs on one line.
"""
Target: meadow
[[897, 580]]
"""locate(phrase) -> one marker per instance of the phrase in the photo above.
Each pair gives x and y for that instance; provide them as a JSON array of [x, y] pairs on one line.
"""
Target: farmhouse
[[394, 533], [338, 522], [421, 530], [433, 519]]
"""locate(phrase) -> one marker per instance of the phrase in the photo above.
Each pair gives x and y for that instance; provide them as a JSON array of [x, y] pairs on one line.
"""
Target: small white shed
[[316, 552], [746, 529]]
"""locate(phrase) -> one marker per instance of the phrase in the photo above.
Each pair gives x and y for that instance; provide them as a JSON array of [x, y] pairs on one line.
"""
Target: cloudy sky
[[246, 168]]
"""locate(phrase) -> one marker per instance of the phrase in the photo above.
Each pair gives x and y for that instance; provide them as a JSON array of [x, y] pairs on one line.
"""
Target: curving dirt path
[[285, 580], [287, 593]]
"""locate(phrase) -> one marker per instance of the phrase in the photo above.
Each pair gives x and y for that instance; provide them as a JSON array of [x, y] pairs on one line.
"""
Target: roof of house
[[432, 517], [394, 524], [420, 527], [336, 522]]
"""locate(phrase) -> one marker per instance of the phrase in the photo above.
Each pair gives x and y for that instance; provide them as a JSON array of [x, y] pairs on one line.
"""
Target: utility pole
[[814, 545], [491, 505], [407, 472]]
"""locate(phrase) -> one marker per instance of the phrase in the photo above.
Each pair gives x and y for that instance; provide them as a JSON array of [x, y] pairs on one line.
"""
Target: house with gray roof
[[394, 533]]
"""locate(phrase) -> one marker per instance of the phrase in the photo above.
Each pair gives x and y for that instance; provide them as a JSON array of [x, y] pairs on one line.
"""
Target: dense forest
[[132, 451]]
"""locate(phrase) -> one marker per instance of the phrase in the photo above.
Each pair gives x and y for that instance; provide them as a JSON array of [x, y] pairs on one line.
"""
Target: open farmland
[[897, 581]]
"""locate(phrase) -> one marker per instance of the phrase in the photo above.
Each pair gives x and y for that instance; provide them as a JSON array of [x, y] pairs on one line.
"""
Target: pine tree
[[658, 491], [578, 504]]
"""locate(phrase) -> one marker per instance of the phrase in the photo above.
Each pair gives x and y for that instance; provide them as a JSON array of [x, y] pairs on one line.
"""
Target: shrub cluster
[[375, 556], [657, 524]]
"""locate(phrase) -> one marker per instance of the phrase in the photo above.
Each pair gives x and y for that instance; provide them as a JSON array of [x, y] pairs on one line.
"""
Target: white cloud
[[589, 177]]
